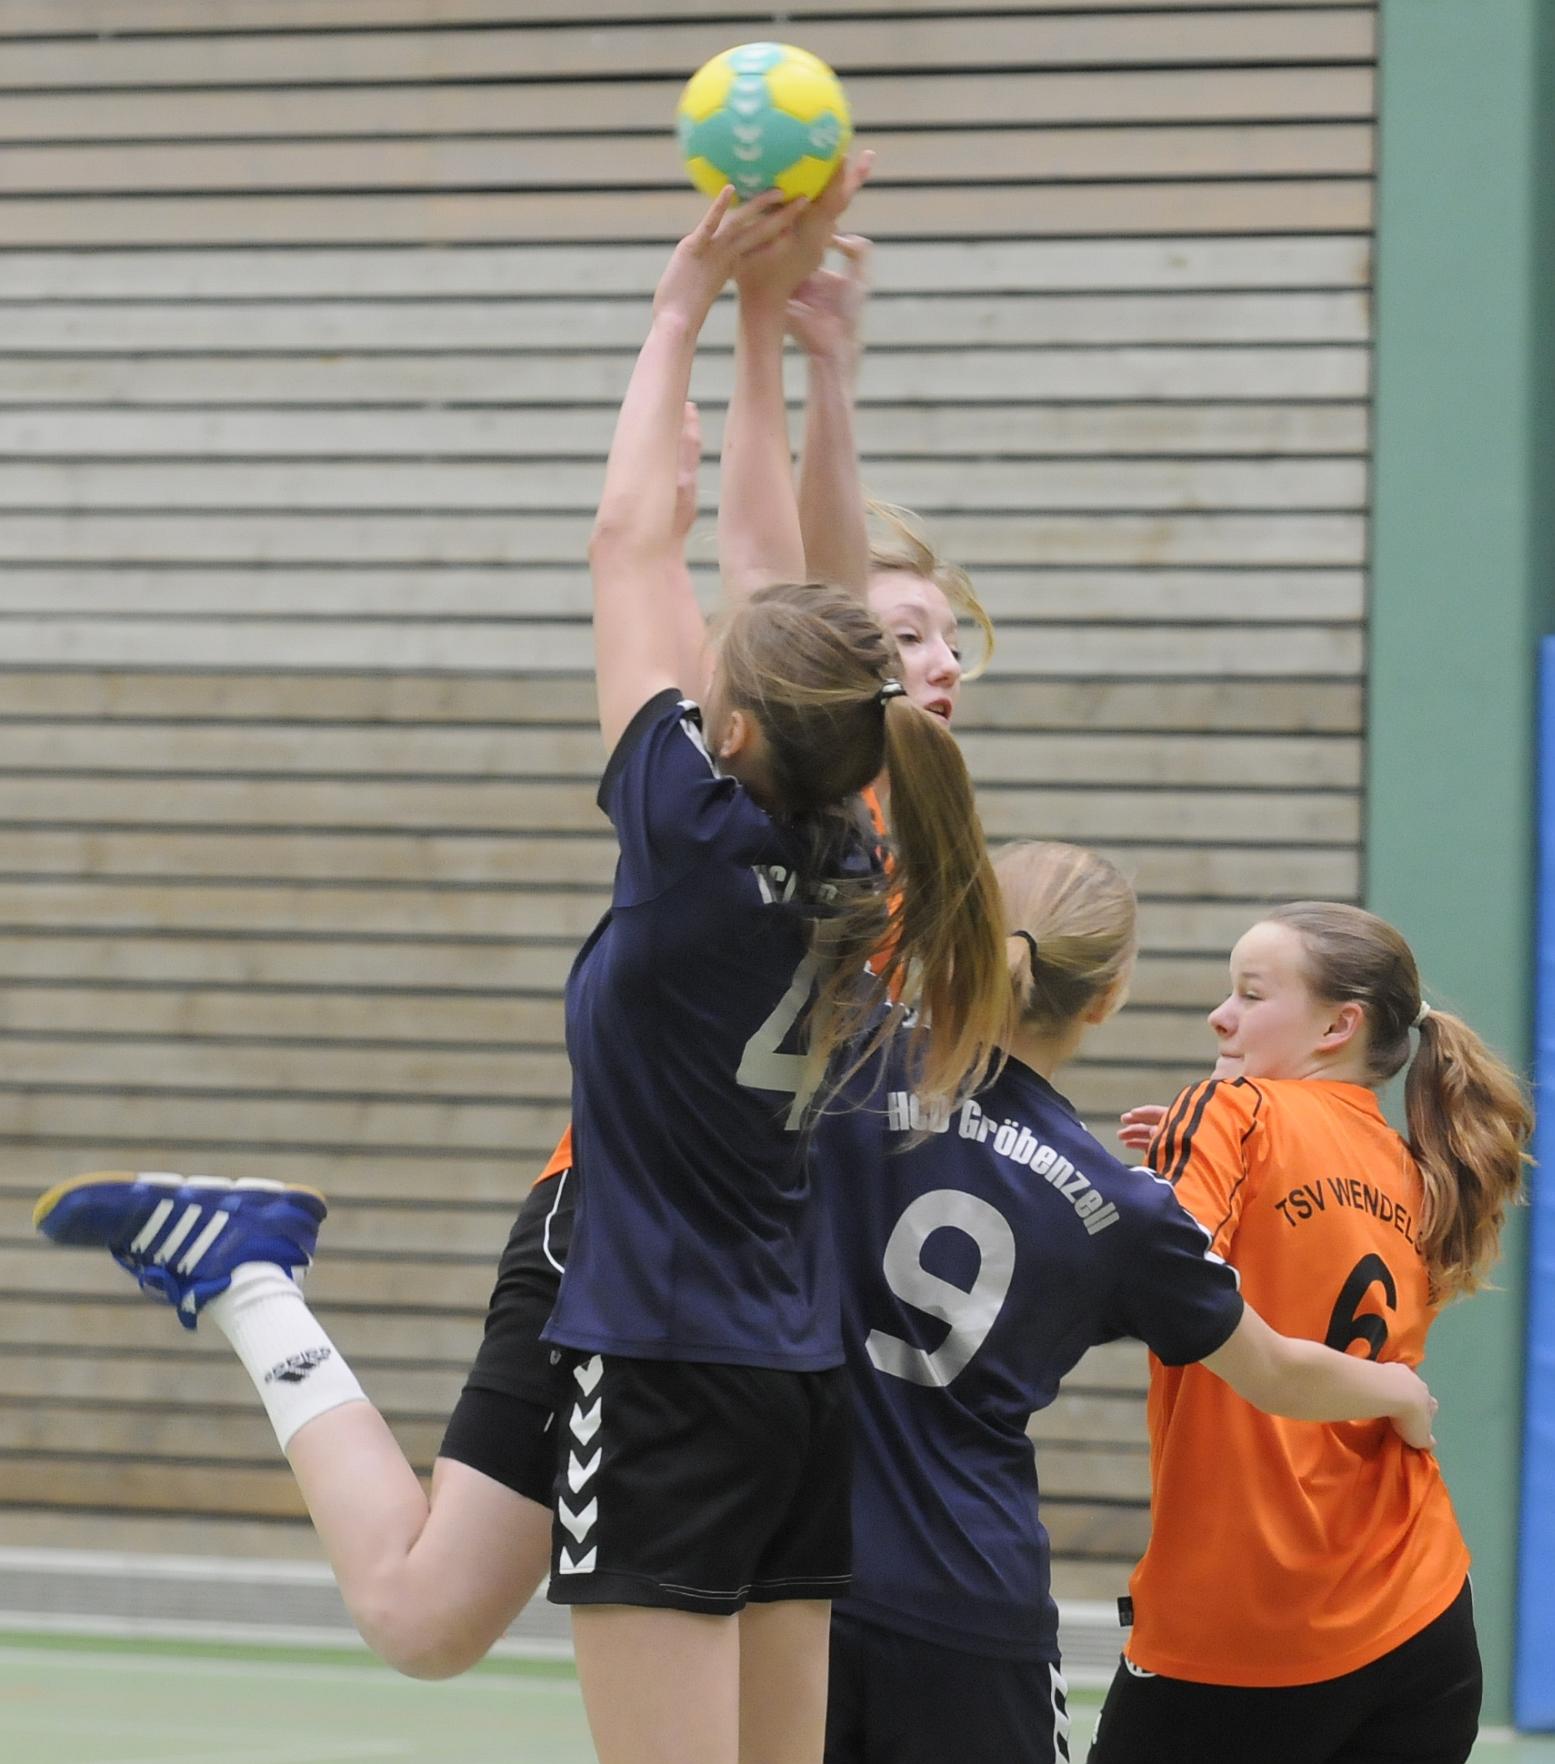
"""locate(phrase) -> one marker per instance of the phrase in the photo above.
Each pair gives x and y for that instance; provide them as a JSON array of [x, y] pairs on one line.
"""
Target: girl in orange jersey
[[1304, 1598]]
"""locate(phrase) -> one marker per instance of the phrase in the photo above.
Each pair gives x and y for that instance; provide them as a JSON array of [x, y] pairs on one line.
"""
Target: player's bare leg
[[430, 1584], [784, 1650], [660, 1687]]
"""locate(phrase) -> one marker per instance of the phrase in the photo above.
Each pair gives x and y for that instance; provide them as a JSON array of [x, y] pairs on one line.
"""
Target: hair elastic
[[1421, 1015], [1031, 941], [889, 689]]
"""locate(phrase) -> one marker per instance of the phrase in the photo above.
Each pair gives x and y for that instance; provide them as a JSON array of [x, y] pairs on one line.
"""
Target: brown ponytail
[[809, 663], [1468, 1117], [947, 952], [1469, 1125]]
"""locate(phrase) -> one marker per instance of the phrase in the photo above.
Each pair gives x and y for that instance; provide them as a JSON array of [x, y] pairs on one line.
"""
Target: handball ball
[[761, 116]]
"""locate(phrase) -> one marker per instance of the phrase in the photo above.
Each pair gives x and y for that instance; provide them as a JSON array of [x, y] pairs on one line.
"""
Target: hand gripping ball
[[763, 115]]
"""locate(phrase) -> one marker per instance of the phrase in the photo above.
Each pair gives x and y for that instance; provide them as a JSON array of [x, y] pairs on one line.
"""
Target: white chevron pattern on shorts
[[582, 1424], [581, 1523]]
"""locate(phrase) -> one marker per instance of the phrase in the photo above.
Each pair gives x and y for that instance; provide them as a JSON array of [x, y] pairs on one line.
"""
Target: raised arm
[[636, 550], [825, 318], [1305, 1381], [760, 540], [694, 658]]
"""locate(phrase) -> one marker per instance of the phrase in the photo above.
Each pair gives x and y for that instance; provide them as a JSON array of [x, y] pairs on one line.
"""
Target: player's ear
[[735, 735], [1108, 1003], [1344, 1023]]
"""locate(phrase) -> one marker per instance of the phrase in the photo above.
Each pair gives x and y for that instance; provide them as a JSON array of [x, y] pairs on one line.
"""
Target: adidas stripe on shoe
[[182, 1236]]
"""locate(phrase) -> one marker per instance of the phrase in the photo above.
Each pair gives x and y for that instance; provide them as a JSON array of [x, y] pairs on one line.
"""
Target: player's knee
[[415, 1639]]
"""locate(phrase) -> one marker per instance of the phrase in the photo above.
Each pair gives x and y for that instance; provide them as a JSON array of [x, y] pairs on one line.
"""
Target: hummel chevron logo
[[584, 1427], [584, 1564], [298, 1366], [578, 1474], [589, 1374], [579, 1524]]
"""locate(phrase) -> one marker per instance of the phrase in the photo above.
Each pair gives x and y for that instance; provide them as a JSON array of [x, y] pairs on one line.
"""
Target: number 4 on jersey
[[764, 1065]]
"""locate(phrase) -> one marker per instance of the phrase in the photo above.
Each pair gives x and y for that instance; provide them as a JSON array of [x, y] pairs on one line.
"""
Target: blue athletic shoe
[[182, 1236]]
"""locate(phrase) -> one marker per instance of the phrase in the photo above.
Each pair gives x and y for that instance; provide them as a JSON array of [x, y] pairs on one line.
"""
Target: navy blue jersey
[[978, 1264], [698, 1236]]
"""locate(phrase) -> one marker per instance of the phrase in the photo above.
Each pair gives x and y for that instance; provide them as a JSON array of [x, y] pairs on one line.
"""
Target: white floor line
[[378, 1676], [199, 1738], [350, 1753], [259, 1636]]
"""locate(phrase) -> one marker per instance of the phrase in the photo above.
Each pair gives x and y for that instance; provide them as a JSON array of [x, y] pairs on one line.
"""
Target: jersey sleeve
[[669, 804], [1174, 1293], [1208, 1147]]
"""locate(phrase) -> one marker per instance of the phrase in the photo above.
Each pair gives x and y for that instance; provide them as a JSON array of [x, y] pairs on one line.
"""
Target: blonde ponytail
[[1072, 919]]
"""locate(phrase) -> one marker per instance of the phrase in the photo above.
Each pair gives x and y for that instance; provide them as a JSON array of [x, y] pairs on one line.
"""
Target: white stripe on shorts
[[1060, 1695]]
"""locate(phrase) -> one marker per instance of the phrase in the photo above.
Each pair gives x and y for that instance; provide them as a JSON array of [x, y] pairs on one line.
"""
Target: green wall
[[1461, 593]]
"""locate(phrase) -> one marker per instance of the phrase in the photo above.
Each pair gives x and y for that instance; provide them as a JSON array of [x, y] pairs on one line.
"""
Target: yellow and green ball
[[763, 116]]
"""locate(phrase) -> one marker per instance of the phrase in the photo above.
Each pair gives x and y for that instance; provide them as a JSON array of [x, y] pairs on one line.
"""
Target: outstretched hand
[[724, 238], [1138, 1126], [826, 309], [774, 271]]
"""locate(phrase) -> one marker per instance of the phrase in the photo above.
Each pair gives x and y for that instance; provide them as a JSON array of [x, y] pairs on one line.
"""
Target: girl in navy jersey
[[984, 1248], [703, 1451], [704, 1439], [431, 1584]]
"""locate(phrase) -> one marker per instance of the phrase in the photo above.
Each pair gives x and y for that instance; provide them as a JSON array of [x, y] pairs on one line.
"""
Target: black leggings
[[1418, 1704]]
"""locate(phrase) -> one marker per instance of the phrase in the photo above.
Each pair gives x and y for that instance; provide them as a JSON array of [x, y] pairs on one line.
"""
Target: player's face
[[922, 621], [1271, 1023]]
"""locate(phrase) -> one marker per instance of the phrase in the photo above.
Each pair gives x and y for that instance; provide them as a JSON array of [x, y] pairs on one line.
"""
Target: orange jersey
[[561, 1158], [1287, 1552], [893, 936]]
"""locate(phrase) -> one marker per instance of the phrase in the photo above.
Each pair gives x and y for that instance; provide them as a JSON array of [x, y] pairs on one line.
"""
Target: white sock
[[296, 1368]]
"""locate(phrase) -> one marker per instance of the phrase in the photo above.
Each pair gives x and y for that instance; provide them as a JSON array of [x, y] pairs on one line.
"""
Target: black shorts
[[896, 1699], [700, 1487], [504, 1423], [1419, 1702]]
